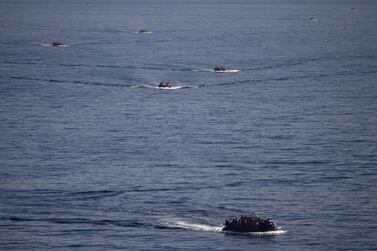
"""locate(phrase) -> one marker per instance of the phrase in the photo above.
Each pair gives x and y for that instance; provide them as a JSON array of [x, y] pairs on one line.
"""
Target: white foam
[[191, 226], [198, 227], [171, 88]]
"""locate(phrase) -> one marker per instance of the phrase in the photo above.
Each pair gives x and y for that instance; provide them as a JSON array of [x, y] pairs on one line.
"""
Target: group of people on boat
[[219, 68], [57, 43], [249, 224], [166, 84]]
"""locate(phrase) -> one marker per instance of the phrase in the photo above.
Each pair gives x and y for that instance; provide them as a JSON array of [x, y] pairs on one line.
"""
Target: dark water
[[93, 157]]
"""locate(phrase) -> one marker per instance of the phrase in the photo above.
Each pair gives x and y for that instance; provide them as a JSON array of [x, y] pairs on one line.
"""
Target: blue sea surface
[[93, 156]]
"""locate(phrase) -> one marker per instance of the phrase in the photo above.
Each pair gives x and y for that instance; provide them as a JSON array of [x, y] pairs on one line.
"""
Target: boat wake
[[187, 225], [208, 70], [50, 45], [143, 32], [182, 224], [226, 71], [313, 19], [160, 88]]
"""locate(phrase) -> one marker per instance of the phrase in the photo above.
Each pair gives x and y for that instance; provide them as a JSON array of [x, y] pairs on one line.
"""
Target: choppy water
[[94, 157]]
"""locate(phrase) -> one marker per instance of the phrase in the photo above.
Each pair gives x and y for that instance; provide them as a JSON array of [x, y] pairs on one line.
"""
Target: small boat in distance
[[145, 31], [166, 85], [249, 224], [219, 68], [57, 44]]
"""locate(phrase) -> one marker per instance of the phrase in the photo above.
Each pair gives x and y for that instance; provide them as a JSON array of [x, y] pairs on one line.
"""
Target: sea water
[[94, 156]]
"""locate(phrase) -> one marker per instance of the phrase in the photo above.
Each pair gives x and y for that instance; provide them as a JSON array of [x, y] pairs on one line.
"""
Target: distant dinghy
[[249, 224], [313, 19], [145, 31], [57, 44], [166, 85], [221, 69]]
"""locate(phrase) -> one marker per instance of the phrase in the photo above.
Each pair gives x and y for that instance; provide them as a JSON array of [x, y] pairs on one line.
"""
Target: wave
[[268, 67], [114, 66], [89, 195], [19, 63], [79, 220], [61, 81], [287, 78], [114, 193], [113, 31], [146, 86]]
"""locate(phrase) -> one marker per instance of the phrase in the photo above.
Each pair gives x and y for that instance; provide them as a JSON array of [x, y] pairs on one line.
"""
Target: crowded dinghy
[[246, 224], [219, 68], [57, 44], [166, 85]]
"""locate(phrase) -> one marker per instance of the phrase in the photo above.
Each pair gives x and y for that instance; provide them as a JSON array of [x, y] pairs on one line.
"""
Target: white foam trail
[[170, 88], [191, 226], [197, 227]]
